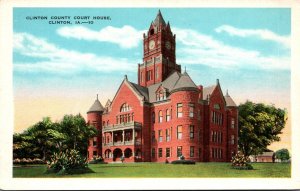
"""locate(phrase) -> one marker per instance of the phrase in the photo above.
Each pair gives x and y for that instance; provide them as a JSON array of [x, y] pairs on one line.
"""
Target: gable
[[126, 93]]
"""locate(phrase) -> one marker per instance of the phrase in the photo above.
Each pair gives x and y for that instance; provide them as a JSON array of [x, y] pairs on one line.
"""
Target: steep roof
[[96, 107], [208, 91], [176, 81], [167, 83], [159, 19], [229, 101], [140, 89], [184, 82]]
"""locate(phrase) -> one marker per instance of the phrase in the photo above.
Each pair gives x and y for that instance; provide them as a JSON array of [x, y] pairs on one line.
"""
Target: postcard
[[191, 95]]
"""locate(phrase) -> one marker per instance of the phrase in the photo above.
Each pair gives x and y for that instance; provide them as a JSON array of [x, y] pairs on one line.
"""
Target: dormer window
[[125, 107], [161, 95]]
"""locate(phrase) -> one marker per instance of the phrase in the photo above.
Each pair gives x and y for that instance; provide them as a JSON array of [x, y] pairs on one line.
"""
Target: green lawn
[[159, 170]]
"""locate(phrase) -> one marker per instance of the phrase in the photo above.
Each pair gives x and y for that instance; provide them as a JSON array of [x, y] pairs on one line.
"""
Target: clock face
[[168, 45], [151, 44]]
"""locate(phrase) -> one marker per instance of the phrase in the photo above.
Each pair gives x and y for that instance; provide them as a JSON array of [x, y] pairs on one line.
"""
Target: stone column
[[133, 136], [123, 137]]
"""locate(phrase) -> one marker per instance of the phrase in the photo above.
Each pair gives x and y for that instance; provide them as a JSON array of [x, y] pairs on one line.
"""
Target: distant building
[[264, 157], [165, 115]]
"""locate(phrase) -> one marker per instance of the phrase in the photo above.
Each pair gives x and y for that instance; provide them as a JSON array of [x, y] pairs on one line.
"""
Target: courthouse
[[164, 115]]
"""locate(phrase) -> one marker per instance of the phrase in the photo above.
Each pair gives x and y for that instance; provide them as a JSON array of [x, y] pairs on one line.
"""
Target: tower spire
[[97, 96]]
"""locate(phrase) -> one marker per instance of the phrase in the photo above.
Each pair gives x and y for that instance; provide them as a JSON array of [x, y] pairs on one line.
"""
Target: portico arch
[[117, 153], [128, 153]]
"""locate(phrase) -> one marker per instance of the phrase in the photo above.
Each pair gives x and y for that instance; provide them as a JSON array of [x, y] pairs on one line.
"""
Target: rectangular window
[[167, 135], [191, 110], [149, 75], [168, 117], [153, 136], [191, 131], [179, 132], [168, 153], [141, 76], [95, 141], [199, 152], [153, 152], [232, 139], [160, 152], [160, 135], [232, 123], [179, 151], [179, 110], [153, 117], [192, 151]]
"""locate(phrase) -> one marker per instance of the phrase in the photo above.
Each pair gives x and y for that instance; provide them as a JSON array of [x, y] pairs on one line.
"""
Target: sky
[[59, 68]]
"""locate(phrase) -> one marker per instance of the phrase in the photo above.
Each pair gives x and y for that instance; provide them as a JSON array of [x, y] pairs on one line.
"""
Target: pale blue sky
[[247, 49]]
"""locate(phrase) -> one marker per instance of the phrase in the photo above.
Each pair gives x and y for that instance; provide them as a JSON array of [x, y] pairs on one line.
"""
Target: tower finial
[[227, 93], [97, 96], [184, 68]]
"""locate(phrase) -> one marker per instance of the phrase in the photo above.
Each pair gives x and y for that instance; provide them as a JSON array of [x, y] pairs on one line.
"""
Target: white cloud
[[52, 58], [125, 37], [259, 33], [202, 49]]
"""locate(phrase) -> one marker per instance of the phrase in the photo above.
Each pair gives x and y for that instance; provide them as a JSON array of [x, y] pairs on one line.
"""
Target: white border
[[6, 105]]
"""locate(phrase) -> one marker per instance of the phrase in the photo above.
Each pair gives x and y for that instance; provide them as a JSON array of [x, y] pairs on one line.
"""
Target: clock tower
[[159, 59]]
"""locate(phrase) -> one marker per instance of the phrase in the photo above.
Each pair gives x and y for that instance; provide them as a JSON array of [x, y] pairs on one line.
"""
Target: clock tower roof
[[159, 19]]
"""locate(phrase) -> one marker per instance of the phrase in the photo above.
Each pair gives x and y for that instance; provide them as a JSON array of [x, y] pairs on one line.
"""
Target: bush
[[241, 162], [97, 160], [183, 162], [68, 162], [25, 161]]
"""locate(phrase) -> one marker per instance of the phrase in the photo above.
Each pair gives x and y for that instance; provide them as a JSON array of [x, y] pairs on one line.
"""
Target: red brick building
[[165, 115]]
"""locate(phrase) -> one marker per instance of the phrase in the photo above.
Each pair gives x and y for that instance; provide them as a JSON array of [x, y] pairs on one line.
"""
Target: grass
[[160, 170]]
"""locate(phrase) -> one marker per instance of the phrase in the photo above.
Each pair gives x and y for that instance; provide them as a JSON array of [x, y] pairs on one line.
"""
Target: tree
[[77, 132], [282, 154], [259, 126], [44, 138]]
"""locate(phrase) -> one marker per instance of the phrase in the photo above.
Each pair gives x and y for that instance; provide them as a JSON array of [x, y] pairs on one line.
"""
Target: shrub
[[16, 161], [241, 162], [97, 160], [68, 162], [183, 162]]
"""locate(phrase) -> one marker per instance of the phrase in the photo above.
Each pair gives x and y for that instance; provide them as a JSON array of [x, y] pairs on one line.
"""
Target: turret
[[94, 118]]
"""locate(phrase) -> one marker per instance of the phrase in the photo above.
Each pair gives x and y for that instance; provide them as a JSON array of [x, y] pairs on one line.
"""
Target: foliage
[[241, 162], [25, 161], [46, 137], [66, 162], [77, 131], [35, 141], [181, 157], [96, 160], [282, 154], [259, 126], [182, 161]]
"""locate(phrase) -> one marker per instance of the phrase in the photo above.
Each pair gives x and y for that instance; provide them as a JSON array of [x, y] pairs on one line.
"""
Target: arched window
[[168, 115], [160, 116], [151, 31], [125, 107]]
